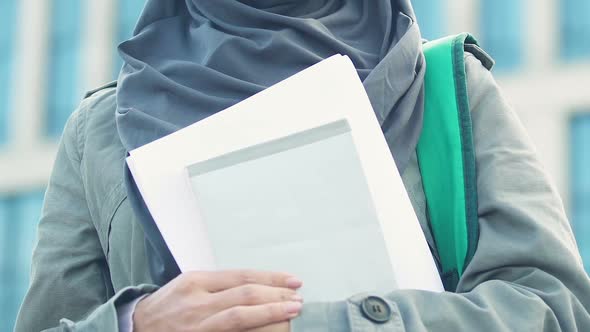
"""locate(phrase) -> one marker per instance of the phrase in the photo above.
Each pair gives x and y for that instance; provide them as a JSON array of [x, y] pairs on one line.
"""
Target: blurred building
[[51, 52], [54, 50]]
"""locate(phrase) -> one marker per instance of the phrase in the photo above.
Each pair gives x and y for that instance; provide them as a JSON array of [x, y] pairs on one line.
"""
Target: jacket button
[[376, 309]]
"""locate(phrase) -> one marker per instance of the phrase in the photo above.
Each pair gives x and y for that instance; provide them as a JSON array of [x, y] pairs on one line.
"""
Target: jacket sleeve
[[70, 287], [526, 274]]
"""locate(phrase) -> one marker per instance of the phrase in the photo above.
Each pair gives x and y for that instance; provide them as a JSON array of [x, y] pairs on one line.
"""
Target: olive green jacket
[[525, 276]]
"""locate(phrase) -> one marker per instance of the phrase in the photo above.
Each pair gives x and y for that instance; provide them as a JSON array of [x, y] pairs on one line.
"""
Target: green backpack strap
[[446, 156]]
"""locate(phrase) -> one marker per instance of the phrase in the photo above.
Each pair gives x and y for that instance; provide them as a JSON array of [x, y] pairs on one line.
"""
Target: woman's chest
[[121, 235]]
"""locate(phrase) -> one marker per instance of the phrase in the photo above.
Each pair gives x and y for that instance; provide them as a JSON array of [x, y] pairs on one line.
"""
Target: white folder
[[297, 178]]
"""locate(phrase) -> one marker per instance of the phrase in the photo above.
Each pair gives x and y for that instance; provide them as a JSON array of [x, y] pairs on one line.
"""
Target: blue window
[[430, 19], [63, 86], [502, 31], [575, 29], [127, 15], [7, 33], [580, 183], [5, 271], [19, 216]]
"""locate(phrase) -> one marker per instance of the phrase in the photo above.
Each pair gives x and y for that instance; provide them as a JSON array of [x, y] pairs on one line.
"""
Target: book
[[297, 178]]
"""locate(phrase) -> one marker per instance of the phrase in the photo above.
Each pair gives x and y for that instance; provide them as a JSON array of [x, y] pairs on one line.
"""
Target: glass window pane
[[128, 12], [7, 34], [3, 219], [5, 267], [28, 212], [19, 216], [430, 19], [575, 28], [63, 88], [502, 31], [580, 184]]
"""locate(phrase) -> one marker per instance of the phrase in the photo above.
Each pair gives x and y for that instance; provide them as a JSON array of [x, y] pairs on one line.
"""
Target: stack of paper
[[297, 178]]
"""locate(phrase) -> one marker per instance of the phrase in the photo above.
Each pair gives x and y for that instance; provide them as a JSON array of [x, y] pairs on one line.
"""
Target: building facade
[[54, 50]]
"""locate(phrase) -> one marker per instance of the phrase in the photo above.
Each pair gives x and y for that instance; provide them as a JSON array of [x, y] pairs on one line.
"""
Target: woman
[[101, 264]]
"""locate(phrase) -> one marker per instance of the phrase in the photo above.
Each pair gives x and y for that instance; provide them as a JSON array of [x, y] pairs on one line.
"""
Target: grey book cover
[[298, 204]]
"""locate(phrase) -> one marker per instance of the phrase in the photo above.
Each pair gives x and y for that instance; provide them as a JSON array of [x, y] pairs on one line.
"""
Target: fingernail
[[294, 282], [297, 298], [293, 307]]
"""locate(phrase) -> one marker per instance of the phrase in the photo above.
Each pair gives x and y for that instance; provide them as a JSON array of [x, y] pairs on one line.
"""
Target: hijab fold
[[189, 59]]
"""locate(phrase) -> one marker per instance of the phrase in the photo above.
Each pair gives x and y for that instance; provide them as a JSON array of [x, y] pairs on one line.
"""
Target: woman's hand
[[220, 301]]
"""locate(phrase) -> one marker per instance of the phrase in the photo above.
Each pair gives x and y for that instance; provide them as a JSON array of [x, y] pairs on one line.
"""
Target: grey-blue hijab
[[189, 59]]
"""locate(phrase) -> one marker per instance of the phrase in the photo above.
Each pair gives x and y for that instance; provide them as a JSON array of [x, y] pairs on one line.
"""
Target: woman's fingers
[[243, 318], [251, 294], [215, 281], [219, 301]]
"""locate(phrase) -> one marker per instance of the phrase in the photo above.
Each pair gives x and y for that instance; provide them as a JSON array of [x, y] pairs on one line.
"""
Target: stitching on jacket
[[110, 224]]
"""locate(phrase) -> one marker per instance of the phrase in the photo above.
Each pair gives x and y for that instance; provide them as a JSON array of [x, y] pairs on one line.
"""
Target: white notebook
[[297, 178]]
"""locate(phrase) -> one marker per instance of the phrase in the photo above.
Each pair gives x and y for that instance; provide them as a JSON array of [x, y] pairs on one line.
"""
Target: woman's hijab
[[189, 59]]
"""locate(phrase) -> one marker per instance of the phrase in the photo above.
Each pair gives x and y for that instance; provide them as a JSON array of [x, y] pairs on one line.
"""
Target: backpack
[[445, 153], [446, 156]]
